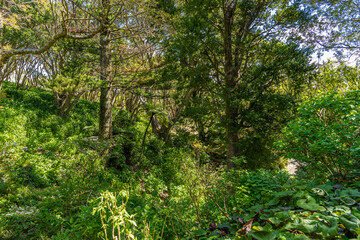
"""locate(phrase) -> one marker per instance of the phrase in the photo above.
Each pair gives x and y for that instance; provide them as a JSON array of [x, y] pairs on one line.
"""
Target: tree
[[122, 20], [68, 73], [248, 49], [111, 19], [65, 27], [105, 122]]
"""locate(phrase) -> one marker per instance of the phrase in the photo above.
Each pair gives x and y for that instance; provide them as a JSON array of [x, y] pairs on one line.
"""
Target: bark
[[230, 83], [105, 121], [236, 61], [65, 103]]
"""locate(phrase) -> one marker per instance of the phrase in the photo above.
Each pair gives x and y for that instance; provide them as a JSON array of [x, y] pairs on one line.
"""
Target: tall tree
[[105, 119], [124, 21], [249, 49]]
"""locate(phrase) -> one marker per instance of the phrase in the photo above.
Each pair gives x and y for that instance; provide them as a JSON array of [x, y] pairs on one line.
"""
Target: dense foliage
[[59, 182], [179, 119], [325, 136]]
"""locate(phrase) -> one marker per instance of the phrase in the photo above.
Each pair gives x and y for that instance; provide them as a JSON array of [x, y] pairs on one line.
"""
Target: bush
[[325, 136]]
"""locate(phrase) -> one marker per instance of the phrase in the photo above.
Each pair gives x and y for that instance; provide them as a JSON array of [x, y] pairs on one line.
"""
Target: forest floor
[[55, 183]]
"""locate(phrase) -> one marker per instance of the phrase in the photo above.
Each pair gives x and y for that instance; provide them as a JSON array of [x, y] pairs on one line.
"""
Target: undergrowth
[[58, 182]]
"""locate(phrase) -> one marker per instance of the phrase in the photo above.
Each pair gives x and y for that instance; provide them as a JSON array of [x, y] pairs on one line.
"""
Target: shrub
[[325, 135]]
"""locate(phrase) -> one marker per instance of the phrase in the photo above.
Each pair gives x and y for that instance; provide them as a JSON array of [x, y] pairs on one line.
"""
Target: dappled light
[[179, 119]]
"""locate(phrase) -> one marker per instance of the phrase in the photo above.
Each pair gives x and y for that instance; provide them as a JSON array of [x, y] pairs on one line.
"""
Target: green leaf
[[355, 212], [280, 217], [348, 201], [309, 204], [350, 193], [327, 225], [200, 233], [350, 222], [278, 196], [263, 233], [302, 224], [300, 194], [319, 191], [339, 210], [291, 236]]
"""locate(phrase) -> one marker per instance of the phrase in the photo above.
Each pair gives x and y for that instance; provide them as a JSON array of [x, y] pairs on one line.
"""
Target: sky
[[330, 55]]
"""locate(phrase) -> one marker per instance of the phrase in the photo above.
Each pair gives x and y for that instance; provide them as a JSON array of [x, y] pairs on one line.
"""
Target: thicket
[[325, 135], [58, 182]]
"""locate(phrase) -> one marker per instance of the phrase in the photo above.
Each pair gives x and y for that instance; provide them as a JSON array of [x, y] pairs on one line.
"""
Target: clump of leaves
[[304, 212], [325, 136], [298, 211], [68, 90]]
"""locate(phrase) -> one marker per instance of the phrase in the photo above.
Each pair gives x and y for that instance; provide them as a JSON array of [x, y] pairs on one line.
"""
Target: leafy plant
[[314, 215], [114, 215], [325, 136], [68, 90]]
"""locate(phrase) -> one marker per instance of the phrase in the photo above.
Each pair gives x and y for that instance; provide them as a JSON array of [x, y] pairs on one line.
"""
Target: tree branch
[[4, 56]]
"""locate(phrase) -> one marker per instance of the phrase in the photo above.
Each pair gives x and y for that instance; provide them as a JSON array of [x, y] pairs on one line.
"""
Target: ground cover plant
[[299, 210], [58, 183]]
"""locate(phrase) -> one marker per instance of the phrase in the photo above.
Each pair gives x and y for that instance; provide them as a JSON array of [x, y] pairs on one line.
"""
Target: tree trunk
[[105, 124], [65, 103], [232, 140], [160, 130], [231, 125], [76, 99], [105, 120]]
